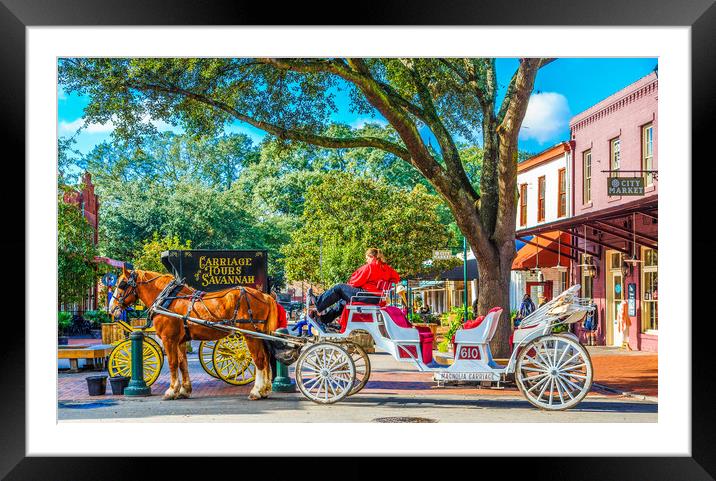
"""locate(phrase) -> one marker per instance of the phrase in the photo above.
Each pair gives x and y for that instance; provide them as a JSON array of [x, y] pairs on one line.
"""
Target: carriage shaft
[[227, 328]]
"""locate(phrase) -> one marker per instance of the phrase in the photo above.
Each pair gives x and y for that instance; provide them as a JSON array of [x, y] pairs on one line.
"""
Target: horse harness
[[170, 293]]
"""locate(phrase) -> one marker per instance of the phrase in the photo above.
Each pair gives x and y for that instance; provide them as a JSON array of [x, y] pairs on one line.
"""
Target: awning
[[544, 251], [457, 274], [111, 262]]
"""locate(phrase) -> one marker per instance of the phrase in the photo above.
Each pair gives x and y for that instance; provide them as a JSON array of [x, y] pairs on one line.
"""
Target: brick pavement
[[635, 372]]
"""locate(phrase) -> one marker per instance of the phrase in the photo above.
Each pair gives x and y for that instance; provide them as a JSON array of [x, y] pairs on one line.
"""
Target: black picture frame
[[700, 15]]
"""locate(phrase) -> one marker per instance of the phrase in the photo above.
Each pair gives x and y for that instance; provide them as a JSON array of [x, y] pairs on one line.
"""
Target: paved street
[[395, 390]]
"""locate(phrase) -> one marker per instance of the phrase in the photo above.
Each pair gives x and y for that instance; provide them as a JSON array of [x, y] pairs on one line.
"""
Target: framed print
[[434, 228]]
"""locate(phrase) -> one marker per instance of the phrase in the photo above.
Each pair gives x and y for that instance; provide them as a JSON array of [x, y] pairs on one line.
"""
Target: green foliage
[[64, 320], [454, 319], [559, 328], [97, 317], [148, 257], [345, 214], [76, 271]]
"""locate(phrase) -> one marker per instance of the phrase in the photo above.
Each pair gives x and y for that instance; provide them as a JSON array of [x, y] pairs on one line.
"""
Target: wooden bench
[[96, 355]]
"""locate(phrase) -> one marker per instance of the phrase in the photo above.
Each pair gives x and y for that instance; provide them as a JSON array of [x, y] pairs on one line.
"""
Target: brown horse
[[215, 306]]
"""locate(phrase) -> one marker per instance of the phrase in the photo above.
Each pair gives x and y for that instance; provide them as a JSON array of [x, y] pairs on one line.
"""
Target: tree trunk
[[494, 291]]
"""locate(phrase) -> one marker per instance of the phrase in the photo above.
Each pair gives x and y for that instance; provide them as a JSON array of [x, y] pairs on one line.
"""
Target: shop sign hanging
[[625, 186], [442, 255], [631, 299]]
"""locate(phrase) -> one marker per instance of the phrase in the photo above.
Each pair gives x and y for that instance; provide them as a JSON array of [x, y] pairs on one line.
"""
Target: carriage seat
[[425, 335], [479, 331]]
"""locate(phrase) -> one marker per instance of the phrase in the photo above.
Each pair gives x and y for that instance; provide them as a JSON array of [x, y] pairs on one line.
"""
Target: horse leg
[[262, 384], [172, 348], [185, 390]]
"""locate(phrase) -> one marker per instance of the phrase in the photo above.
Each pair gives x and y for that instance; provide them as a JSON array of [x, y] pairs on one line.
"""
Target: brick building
[[88, 202], [614, 238]]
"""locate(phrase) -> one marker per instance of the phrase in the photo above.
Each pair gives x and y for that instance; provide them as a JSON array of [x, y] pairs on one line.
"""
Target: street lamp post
[[464, 273], [137, 386]]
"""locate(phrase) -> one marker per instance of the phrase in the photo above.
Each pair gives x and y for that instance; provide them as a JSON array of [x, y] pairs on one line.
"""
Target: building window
[[587, 277], [647, 153], [523, 204], [649, 291], [540, 198], [616, 260], [562, 193], [615, 154], [587, 174]]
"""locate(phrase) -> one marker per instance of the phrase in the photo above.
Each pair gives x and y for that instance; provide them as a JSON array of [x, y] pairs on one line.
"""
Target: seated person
[[366, 279]]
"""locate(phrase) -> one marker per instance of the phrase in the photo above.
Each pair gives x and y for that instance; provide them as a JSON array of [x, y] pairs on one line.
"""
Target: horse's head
[[125, 293]]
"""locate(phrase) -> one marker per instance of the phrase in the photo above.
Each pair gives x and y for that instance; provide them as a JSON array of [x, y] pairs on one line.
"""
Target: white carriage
[[553, 371]]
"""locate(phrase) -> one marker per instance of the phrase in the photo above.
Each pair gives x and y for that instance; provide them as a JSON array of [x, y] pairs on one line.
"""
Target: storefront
[[614, 256]]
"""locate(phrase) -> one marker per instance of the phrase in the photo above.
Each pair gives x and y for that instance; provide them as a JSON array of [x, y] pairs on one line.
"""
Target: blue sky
[[562, 89]]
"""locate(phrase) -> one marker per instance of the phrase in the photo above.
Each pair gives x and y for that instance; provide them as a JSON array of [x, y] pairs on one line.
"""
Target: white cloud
[[66, 127], [547, 115], [361, 122]]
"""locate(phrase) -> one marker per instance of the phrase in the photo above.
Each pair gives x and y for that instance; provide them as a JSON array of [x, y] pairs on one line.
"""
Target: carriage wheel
[[206, 357], [325, 373], [232, 360], [120, 361], [362, 364], [554, 372]]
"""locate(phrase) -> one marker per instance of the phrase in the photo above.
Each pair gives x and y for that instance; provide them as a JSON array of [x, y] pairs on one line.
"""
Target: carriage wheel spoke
[[564, 387], [572, 367]]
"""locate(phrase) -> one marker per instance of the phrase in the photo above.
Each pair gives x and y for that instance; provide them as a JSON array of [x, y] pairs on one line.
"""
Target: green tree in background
[[294, 99], [344, 215], [148, 258], [76, 269]]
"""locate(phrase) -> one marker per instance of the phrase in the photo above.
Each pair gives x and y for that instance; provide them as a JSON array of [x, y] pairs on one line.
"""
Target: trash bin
[[97, 385], [118, 384]]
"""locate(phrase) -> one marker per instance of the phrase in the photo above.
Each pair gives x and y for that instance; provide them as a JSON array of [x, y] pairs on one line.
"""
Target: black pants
[[336, 298]]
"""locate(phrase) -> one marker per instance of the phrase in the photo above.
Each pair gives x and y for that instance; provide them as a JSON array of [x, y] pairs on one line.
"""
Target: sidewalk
[[634, 372]]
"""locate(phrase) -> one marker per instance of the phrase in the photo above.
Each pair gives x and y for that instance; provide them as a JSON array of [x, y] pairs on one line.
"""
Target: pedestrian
[[372, 277], [527, 307], [590, 327]]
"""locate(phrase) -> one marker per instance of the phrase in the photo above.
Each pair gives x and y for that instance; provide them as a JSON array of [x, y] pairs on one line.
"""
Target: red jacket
[[371, 275], [282, 318]]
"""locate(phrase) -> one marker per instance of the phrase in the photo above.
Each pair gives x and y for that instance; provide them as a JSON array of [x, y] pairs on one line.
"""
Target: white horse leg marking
[[258, 383], [265, 389]]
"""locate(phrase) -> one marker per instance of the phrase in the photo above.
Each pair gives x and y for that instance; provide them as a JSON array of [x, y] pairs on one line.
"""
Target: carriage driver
[[374, 273]]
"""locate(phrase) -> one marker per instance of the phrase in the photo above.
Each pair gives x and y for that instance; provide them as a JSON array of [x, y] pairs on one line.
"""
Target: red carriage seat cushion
[[425, 334]]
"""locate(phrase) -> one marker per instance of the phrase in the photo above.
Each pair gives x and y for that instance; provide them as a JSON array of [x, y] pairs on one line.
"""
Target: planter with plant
[[97, 319], [427, 320], [453, 319], [64, 322]]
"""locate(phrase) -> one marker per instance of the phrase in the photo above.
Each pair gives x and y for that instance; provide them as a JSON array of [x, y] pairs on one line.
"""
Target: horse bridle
[[128, 286]]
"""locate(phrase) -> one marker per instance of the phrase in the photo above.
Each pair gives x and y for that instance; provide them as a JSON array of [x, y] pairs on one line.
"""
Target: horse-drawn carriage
[[553, 372]]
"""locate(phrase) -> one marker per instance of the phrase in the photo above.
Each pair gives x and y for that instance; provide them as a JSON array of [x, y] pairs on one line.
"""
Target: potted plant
[[64, 321], [454, 318]]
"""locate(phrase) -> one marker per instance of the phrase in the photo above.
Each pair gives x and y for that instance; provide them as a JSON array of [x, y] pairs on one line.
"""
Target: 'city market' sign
[[442, 255], [625, 186]]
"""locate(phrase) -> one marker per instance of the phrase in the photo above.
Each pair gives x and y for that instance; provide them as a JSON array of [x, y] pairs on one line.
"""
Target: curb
[[625, 393]]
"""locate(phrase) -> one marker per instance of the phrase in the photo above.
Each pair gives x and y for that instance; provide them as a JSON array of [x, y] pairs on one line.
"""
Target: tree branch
[[283, 133]]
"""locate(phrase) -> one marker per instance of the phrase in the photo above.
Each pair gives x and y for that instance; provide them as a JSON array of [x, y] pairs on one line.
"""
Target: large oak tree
[[294, 99]]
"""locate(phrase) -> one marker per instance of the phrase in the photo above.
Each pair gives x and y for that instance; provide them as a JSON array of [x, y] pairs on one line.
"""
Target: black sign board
[[625, 186], [631, 299], [214, 270]]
